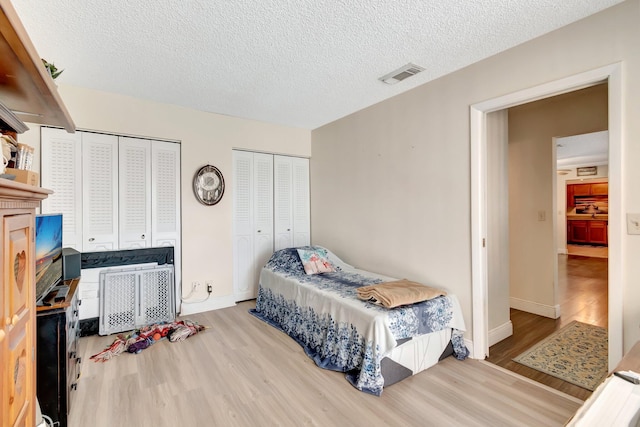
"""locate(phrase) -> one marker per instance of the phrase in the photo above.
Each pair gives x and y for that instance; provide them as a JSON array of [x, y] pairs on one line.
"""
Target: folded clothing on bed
[[397, 293]]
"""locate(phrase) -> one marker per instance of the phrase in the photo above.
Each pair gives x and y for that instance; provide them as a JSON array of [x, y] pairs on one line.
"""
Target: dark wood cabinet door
[[570, 199], [600, 189], [598, 232], [581, 189], [579, 231]]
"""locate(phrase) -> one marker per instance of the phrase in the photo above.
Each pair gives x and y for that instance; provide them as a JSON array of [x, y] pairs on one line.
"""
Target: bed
[[374, 346]]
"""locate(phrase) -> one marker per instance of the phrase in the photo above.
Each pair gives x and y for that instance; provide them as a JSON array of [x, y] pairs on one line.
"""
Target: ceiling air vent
[[401, 74]]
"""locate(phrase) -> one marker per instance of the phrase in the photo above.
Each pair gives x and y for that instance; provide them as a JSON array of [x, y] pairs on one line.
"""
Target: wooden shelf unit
[[25, 86]]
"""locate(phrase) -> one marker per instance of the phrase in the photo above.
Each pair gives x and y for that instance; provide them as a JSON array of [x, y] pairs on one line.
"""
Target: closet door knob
[[142, 237], [91, 239], [14, 320]]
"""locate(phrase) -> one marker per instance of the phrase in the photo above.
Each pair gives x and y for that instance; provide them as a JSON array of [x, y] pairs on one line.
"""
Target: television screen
[[48, 253]]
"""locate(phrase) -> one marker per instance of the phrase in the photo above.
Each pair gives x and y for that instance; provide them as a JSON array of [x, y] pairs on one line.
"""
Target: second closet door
[[252, 220], [135, 193], [99, 192]]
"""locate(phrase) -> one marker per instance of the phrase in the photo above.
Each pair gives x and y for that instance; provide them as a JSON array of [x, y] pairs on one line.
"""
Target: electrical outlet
[[195, 285], [209, 286]]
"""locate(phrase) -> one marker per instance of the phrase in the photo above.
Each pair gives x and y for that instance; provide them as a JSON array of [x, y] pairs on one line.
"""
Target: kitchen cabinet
[[586, 231], [575, 192], [598, 232], [600, 189]]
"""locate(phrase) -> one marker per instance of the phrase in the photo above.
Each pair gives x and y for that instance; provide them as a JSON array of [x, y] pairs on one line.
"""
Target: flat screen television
[[48, 254]]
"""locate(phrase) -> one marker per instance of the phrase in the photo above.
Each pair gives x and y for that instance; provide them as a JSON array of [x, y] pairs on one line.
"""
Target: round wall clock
[[208, 185]]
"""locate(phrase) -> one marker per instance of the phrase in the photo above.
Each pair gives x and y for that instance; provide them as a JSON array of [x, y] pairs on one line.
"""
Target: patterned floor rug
[[576, 353]]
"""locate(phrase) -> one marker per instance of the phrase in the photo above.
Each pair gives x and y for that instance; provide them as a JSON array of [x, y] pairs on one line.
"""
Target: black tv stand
[[58, 362], [57, 294]]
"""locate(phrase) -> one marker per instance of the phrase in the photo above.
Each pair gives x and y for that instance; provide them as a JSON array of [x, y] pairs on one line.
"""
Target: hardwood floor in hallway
[[582, 295]]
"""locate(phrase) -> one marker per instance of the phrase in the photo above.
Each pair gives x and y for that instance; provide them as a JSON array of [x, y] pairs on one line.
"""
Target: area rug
[[576, 353]]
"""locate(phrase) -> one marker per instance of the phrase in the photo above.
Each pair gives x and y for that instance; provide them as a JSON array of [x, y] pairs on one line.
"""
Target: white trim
[[550, 311], [215, 303], [611, 73], [563, 251], [500, 333]]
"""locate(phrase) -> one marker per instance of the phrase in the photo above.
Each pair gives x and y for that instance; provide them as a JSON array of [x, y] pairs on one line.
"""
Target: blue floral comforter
[[337, 330]]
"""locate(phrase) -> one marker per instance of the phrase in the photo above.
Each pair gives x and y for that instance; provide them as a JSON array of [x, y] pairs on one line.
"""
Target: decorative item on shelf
[[52, 69], [8, 146], [208, 185]]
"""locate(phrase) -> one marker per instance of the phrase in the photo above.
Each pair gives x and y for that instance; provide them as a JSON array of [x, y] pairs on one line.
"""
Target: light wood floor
[[583, 296], [242, 372]]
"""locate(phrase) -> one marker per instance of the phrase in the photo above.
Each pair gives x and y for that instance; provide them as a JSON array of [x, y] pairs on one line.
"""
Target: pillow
[[315, 261]]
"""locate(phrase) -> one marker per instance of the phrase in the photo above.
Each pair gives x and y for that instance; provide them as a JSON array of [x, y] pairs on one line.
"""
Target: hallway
[[582, 295]]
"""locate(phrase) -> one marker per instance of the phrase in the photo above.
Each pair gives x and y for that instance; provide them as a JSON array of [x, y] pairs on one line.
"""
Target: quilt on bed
[[337, 330]]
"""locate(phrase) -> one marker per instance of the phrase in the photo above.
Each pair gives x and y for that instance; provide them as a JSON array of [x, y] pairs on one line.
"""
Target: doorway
[[480, 256]]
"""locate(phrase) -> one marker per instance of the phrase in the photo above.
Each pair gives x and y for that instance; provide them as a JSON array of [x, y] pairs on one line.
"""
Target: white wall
[[390, 184], [206, 138]]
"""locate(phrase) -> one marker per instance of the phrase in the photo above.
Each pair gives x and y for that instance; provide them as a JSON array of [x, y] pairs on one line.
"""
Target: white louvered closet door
[[243, 253], [283, 202], [134, 193], [165, 204], [291, 187], [301, 202], [61, 168], [99, 192], [263, 211]]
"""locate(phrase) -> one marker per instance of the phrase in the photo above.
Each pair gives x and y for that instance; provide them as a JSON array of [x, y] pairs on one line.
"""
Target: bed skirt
[[415, 355]]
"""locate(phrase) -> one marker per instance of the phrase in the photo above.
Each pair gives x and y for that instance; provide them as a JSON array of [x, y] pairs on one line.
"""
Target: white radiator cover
[[134, 297]]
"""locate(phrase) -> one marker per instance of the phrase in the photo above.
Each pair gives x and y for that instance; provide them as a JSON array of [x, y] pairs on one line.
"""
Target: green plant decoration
[[52, 69]]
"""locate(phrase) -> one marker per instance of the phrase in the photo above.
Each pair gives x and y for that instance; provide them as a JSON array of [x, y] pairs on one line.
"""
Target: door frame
[[612, 74]]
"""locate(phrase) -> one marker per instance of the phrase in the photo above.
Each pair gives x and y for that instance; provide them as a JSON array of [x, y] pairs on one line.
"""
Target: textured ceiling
[[302, 63]]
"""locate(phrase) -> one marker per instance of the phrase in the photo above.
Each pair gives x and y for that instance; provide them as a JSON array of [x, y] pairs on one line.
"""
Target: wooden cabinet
[[17, 302], [575, 192], [578, 231], [581, 189], [587, 231], [600, 189], [598, 232], [58, 364]]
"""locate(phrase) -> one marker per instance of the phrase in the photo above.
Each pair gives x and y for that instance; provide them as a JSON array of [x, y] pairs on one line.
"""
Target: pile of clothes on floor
[[143, 338]]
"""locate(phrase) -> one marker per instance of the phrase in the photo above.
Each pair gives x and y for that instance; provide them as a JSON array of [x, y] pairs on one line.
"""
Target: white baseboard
[[501, 332], [469, 344], [563, 251], [208, 305], [550, 311]]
